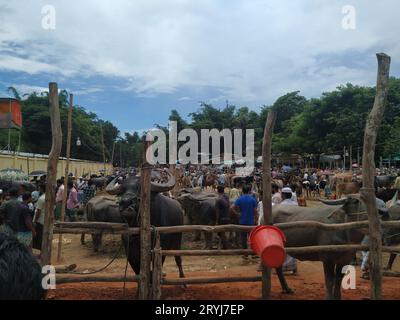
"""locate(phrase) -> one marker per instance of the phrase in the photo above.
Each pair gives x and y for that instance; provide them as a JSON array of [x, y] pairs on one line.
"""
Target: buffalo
[[337, 211], [104, 209], [199, 207], [20, 273], [164, 212]]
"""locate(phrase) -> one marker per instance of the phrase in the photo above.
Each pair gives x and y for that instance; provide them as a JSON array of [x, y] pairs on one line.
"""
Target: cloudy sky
[[131, 62]]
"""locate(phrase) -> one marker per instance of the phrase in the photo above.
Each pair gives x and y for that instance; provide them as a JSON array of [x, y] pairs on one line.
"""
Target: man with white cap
[[287, 197], [290, 263]]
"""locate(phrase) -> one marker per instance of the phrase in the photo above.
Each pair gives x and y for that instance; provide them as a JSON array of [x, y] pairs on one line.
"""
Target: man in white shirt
[[290, 263], [38, 218], [288, 197]]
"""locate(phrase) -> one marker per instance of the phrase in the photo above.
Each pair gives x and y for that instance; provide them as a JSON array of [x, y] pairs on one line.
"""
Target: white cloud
[[250, 51], [185, 99], [23, 89]]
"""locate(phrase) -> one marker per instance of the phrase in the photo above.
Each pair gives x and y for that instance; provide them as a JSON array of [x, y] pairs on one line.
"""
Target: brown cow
[[347, 188]]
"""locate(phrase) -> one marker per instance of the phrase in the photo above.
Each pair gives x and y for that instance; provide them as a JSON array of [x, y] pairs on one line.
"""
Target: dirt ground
[[308, 284]]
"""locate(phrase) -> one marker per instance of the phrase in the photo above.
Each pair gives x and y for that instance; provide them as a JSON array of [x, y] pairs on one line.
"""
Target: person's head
[[287, 193], [27, 197], [246, 189], [59, 182], [13, 192], [275, 188], [42, 188], [221, 189], [22, 189], [70, 183]]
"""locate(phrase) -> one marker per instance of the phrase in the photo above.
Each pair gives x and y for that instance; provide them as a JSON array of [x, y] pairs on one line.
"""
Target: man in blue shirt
[[246, 208]]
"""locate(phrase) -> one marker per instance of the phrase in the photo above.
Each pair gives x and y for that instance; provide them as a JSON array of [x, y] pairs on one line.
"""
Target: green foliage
[[319, 125]]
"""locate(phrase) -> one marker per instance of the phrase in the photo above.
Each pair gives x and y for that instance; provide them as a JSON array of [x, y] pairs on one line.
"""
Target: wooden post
[[267, 193], [157, 270], [51, 174], [145, 232], [358, 158], [68, 154], [368, 192]]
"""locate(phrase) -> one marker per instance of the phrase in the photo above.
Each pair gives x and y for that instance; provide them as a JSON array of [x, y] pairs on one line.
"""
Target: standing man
[[290, 263], [72, 202], [23, 226], [8, 211], [397, 182], [38, 219], [222, 214], [246, 208], [59, 198]]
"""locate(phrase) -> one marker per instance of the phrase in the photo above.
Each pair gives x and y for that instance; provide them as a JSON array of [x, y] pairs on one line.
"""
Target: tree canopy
[[318, 125]]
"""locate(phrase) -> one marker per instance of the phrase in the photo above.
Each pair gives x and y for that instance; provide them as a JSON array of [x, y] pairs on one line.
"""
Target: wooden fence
[[157, 280]]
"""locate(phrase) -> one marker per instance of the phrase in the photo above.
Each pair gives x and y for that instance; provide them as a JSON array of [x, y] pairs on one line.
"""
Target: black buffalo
[[20, 273], [200, 209], [164, 211]]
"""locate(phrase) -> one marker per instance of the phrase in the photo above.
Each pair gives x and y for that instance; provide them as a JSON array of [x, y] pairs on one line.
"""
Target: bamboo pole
[[368, 192], [145, 232], [267, 194], [157, 270], [68, 154], [51, 174]]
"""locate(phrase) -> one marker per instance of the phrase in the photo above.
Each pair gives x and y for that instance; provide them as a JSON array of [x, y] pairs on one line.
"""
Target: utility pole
[[344, 159], [68, 155], [351, 159], [358, 157]]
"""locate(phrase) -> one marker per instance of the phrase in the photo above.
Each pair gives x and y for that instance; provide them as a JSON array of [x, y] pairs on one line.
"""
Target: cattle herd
[[187, 195]]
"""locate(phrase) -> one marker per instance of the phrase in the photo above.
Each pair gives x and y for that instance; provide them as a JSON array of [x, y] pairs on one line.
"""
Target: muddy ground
[[308, 284]]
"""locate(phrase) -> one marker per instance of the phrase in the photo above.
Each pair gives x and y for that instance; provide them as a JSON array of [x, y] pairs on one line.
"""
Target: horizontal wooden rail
[[119, 228], [204, 280], [292, 250], [88, 278], [182, 281]]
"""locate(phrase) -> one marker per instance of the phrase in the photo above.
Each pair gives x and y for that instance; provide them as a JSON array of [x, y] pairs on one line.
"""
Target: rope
[[126, 266], [103, 268]]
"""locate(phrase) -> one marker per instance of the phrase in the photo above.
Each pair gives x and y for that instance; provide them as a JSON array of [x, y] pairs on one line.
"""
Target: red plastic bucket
[[268, 242]]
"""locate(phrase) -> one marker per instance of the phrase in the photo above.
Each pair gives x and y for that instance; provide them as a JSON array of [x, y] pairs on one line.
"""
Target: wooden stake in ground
[[68, 153], [267, 193], [145, 232], [51, 173], [157, 270], [368, 192]]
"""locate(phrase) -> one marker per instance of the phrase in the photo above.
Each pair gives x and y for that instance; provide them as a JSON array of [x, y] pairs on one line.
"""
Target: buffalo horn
[[164, 187], [112, 188], [338, 202]]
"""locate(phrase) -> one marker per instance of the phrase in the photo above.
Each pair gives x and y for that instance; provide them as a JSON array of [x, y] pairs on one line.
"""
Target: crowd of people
[[22, 213]]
